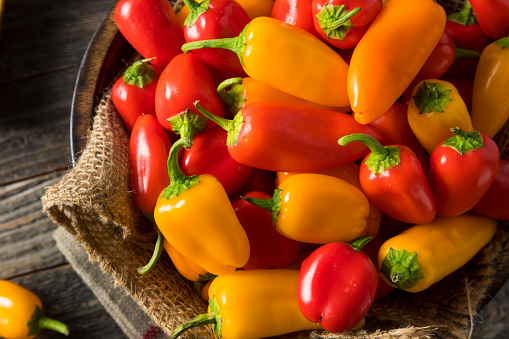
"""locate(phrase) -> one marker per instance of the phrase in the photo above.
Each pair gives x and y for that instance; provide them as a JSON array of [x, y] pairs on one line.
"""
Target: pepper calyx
[[158, 249], [140, 74], [187, 124], [334, 20], [432, 97], [358, 244], [401, 268], [273, 204], [234, 97], [381, 158], [38, 321], [195, 10], [502, 42], [213, 317], [464, 141], [464, 17]]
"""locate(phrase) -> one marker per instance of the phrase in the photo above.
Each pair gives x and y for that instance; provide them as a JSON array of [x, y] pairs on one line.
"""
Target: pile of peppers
[[275, 144]]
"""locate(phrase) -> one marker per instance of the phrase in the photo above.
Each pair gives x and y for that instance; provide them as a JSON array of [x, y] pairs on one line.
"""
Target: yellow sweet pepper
[[252, 304], [21, 313], [490, 99], [317, 208], [195, 216], [425, 254], [288, 58], [435, 108]]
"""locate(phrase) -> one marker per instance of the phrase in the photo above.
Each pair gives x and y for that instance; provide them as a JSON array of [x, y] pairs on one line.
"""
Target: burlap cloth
[[92, 203]]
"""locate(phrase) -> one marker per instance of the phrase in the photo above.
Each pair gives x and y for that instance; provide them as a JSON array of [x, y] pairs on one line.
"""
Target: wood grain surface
[[42, 44]]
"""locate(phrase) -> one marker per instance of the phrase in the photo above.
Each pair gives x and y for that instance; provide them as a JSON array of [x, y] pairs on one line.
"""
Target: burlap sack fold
[[93, 203]]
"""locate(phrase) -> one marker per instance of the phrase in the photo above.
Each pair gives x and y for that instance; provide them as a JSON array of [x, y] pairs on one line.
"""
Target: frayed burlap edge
[[92, 202]]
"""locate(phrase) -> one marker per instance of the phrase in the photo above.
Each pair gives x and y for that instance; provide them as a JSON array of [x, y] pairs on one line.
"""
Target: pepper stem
[[334, 20], [38, 321], [233, 127], [139, 74], [273, 204], [381, 158], [464, 141], [432, 97], [233, 98], [358, 244], [213, 317], [402, 268], [463, 53], [158, 249], [235, 44]]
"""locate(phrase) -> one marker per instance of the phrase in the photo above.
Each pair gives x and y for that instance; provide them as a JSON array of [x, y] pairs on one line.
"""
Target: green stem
[[335, 24], [358, 244], [213, 317], [463, 53], [402, 268], [381, 158], [502, 42], [464, 141], [432, 97], [234, 98], [195, 10], [235, 44], [158, 249], [54, 325], [464, 17], [273, 204], [139, 74], [233, 127]]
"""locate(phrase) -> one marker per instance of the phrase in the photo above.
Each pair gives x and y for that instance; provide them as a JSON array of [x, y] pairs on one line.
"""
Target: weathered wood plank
[[26, 242], [65, 297]]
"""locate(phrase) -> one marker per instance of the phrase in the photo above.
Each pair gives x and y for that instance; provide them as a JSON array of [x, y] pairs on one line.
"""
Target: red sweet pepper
[[286, 137], [337, 285], [393, 179], [493, 17], [342, 23], [209, 155], [495, 201], [297, 13], [461, 170], [371, 249], [465, 31], [216, 19], [151, 27], [149, 146], [268, 247], [134, 93], [185, 80]]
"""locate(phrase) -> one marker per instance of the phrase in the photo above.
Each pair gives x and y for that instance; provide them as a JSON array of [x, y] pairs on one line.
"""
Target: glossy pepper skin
[[493, 17], [216, 19], [403, 33], [393, 179], [295, 12], [317, 208], [151, 27], [268, 248], [187, 268], [209, 155], [21, 313], [425, 254], [216, 241], [134, 93], [296, 63], [185, 80], [271, 296], [461, 170], [342, 23], [435, 108], [149, 146], [494, 202], [238, 92], [465, 31], [287, 137], [337, 285], [490, 104]]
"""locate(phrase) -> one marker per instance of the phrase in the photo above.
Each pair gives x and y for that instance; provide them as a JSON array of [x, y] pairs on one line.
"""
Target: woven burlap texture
[[93, 203]]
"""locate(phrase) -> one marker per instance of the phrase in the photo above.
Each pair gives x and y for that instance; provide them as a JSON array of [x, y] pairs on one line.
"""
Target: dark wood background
[[41, 47]]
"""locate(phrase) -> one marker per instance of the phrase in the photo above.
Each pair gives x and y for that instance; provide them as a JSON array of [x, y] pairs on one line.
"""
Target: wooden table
[[41, 47]]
